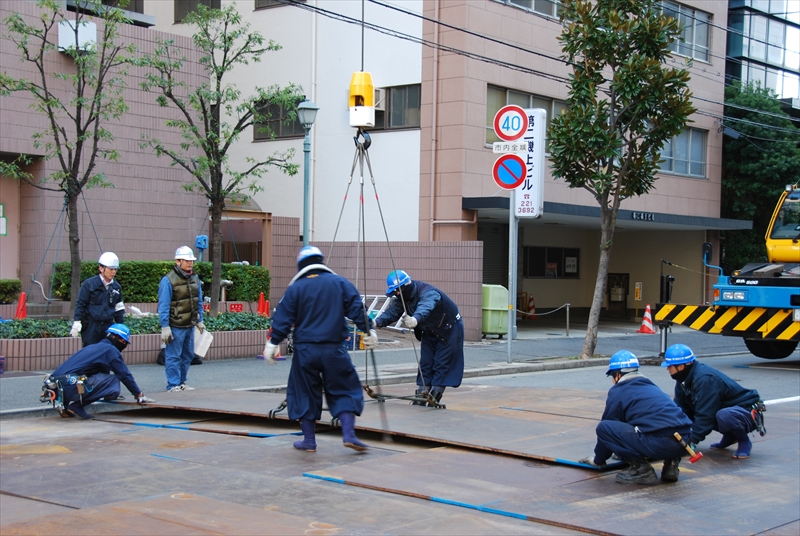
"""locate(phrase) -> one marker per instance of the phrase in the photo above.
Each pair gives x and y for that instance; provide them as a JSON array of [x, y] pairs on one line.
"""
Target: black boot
[[436, 393], [309, 442], [419, 393], [670, 471], [639, 472]]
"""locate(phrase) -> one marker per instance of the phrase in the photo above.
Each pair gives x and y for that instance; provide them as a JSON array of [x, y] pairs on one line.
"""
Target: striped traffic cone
[[647, 322]]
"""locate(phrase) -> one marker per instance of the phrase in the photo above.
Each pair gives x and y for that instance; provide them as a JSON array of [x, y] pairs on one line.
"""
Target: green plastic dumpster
[[494, 307]]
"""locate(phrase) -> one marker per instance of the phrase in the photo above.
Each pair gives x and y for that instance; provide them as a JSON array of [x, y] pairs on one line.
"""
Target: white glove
[[270, 352], [589, 460], [370, 341], [201, 327], [166, 335], [409, 322], [76, 329], [141, 399]]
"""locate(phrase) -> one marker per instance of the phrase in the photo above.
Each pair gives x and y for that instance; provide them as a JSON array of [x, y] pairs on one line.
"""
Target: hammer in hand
[[694, 456]]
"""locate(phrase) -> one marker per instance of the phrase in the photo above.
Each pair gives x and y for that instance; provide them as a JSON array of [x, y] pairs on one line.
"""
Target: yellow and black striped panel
[[748, 322]]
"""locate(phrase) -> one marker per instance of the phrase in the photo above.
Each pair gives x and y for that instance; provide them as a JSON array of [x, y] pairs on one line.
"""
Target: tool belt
[[53, 388], [757, 412]]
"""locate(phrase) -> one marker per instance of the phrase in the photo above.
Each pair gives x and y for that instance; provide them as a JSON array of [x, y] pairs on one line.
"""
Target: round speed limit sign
[[510, 123]]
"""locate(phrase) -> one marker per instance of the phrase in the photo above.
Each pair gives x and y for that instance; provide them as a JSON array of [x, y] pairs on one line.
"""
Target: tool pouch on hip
[[757, 411]]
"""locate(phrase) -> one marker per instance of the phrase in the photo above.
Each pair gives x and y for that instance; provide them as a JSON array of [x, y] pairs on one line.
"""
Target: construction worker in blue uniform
[[639, 422], [180, 310], [437, 324], [714, 401], [316, 303], [94, 373], [99, 302]]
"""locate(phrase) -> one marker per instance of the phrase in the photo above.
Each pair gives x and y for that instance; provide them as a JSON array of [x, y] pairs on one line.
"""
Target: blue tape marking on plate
[[502, 512], [328, 478], [454, 503]]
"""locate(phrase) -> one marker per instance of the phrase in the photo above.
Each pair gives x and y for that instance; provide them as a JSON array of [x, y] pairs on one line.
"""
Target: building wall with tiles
[[454, 267]]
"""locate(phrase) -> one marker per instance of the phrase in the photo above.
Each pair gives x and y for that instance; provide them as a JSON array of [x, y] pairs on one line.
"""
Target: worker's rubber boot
[[639, 472], [436, 393], [743, 448], [309, 442], [75, 409], [349, 438], [726, 441], [419, 393], [670, 471]]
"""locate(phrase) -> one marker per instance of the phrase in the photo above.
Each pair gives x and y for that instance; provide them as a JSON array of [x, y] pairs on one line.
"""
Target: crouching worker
[[639, 422], [87, 377], [316, 303]]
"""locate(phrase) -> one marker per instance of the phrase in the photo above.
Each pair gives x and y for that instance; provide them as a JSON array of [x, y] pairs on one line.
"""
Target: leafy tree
[[214, 114], [78, 102], [624, 103], [755, 168]]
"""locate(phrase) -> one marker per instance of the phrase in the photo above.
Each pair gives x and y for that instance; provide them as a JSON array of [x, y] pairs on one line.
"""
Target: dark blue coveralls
[[97, 362], [639, 422], [715, 402], [317, 304], [439, 329], [96, 308]]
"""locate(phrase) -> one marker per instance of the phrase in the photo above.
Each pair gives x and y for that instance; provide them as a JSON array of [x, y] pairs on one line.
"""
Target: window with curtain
[[401, 108], [694, 42], [685, 154], [184, 7], [497, 97]]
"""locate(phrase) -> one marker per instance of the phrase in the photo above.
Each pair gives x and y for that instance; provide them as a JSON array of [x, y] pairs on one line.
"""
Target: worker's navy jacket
[[97, 308], [316, 305], [639, 402], [435, 312], [100, 358], [704, 392]]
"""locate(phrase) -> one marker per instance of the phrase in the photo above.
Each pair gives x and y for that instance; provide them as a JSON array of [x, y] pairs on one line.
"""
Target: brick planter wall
[[47, 354]]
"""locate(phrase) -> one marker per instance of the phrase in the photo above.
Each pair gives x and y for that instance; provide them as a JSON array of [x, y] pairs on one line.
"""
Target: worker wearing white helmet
[[99, 302], [180, 309]]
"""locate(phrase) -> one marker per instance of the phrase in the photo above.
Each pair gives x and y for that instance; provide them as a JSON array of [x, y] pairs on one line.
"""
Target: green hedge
[[140, 279], [43, 329], [9, 290]]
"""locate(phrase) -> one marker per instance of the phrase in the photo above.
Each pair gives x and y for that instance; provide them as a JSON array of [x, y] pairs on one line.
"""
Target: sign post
[[519, 169]]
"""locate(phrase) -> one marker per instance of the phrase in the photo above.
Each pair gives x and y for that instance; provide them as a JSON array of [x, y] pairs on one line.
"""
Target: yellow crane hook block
[[362, 100]]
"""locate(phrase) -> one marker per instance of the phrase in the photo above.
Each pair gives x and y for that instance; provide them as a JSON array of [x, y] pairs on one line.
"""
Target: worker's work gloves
[[76, 329], [201, 327], [166, 335], [141, 399], [589, 460], [409, 322], [271, 351], [370, 341]]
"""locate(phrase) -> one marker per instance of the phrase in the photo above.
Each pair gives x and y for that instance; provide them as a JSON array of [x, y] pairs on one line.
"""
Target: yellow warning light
[[362, 100]]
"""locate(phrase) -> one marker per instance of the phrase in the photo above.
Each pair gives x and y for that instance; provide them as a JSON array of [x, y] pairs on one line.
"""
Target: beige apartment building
[[448, 220]]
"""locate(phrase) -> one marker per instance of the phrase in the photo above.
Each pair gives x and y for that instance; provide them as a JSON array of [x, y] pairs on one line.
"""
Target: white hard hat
[[109, 260], [185, 253]]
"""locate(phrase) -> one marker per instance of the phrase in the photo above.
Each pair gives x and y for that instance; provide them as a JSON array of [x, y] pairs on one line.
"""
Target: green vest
[[183, 307]]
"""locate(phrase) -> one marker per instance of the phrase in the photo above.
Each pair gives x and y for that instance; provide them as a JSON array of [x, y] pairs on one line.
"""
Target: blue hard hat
[[308, 252], [678, 354], [120, 330], [395, 280], [622, 360]]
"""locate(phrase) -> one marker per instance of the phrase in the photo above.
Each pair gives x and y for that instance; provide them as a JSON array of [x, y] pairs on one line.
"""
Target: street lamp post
[[306, 113]]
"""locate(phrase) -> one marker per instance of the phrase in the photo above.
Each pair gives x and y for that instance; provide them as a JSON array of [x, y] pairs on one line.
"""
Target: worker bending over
[[437, 324], [94, 373]]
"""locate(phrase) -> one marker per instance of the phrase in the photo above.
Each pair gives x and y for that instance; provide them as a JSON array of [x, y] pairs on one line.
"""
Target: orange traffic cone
[[532, 309], [647, 322], [261, 304], [22, 307]]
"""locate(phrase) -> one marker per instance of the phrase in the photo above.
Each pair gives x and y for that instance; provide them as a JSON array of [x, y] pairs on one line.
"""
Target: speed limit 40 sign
[[510, 123]]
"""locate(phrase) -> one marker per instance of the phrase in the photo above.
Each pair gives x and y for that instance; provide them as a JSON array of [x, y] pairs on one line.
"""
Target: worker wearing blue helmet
[[639, 422], [94, 373], [437, 324], [316, 303], [713, 401]]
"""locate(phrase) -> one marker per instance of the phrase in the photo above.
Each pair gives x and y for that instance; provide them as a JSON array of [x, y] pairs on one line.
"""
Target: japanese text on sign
[[530, 194]]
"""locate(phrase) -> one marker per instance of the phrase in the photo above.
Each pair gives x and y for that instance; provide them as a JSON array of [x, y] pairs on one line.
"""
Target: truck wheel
[[770, 349]]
